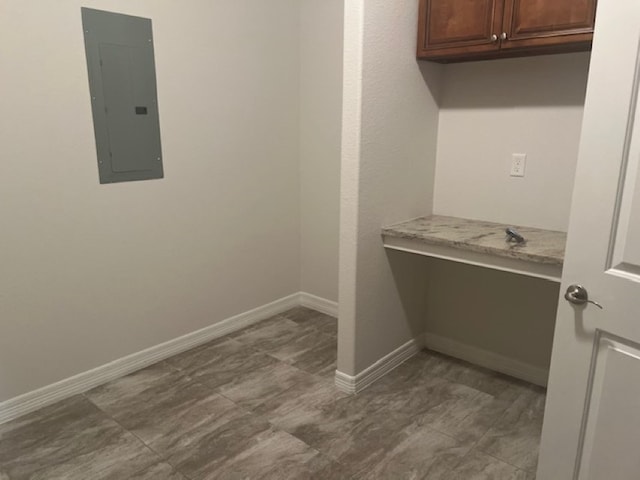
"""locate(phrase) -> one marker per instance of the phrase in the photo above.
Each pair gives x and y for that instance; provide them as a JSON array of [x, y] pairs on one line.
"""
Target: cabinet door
[[458, 28], [548, 23]]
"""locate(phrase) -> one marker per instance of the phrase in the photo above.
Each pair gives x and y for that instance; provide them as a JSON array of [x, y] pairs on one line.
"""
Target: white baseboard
[[487, 359], [320, 304], [354, 384], [31, 401]]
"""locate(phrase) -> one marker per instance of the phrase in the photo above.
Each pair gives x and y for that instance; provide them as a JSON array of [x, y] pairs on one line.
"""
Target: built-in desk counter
[[481, 243]]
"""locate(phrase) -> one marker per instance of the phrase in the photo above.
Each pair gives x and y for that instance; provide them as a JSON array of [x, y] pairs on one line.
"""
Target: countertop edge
[[461, 245]]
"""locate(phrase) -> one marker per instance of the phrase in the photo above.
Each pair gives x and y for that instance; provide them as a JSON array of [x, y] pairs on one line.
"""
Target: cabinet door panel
[[540, 23], [458, 27]]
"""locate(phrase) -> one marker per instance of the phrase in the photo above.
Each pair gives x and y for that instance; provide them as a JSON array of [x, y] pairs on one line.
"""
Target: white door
[[592, 419]]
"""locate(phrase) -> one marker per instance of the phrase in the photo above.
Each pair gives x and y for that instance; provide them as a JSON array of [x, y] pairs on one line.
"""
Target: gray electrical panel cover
[[122, 83]]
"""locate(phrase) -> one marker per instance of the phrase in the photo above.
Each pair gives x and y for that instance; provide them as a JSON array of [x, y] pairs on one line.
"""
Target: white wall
[[502, 313], [321, 24], [492, 109], [94, 272], [389, 129]]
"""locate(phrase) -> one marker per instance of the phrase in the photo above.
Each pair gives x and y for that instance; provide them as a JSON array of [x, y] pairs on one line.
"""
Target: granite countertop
[[541, 246]]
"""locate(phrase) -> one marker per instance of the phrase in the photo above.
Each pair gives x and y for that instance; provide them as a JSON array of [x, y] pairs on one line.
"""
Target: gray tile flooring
[[261, 404]]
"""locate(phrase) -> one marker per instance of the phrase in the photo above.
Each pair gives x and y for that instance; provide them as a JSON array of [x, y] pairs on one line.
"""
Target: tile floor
[[261, 404]]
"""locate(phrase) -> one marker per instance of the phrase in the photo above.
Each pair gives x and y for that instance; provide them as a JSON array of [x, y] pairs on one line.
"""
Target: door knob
[[494, 38], [578, 295], [503, 36]]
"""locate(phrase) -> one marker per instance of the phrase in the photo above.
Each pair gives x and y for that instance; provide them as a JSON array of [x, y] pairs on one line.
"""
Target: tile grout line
[[288, 361], [458, 463], [265, 417], [251, 410], [504, 461], [278, 429], [475, 447], [474, 444], [189, 378], [236, 335], [165, 460], [493, 424], [442, 377], [162, 459]]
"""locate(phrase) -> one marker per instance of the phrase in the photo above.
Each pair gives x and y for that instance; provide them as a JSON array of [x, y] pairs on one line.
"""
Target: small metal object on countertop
[[513, 235]]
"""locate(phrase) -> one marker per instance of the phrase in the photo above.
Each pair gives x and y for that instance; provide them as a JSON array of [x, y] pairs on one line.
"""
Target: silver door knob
[[494, 38], [503, 36], [578, 295]]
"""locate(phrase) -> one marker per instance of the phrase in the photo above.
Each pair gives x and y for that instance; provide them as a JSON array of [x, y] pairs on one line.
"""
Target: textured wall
[[492, 109], [321, 28], [502, 313], [389, 132], [92, 272]]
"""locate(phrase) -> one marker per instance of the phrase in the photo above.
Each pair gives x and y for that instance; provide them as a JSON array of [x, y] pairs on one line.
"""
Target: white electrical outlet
[[518, 163]]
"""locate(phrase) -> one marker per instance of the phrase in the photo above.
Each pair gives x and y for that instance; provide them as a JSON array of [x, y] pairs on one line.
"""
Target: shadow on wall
[[412, 284], [433, 75], [504, 313], [547, 80]]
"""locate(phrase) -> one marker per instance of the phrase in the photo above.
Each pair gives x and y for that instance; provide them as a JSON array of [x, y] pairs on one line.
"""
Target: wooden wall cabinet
[[462, 30]]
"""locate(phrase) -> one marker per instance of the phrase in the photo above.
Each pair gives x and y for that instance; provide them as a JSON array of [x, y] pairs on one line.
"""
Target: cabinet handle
[[503, 36], [494, 38]]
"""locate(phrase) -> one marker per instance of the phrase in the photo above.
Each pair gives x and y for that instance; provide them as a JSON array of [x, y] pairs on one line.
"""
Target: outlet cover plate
[[518, 164]]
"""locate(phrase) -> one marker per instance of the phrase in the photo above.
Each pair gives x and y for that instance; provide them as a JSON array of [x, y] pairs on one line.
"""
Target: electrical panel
[[124, 101]]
